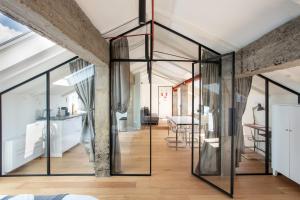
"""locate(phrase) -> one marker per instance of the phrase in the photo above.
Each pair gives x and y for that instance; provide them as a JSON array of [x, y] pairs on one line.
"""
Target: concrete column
[[137, 101], [175, 103], [184, 89], [130, 110], [102, 116]]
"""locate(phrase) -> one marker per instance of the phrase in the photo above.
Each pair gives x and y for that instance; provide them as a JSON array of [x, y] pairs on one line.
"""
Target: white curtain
[[83, 79]]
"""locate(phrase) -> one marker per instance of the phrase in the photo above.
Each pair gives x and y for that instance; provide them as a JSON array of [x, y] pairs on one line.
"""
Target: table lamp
[[257, 108]]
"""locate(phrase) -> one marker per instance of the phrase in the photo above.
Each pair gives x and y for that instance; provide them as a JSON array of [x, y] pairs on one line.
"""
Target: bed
[[45, 197]]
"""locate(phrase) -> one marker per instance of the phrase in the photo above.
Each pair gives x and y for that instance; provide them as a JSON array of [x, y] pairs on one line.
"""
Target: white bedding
[[67, 197]]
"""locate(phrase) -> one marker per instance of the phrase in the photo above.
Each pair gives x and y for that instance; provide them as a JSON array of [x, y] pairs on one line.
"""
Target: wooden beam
[[62, 22], [277, 49]]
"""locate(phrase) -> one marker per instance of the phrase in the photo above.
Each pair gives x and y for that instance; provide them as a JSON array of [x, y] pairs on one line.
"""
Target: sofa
[[146, 119]]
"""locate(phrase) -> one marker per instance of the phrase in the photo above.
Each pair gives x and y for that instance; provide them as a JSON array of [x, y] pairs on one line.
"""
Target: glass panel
[[253, 120], [171, 46], [214, 163], [131, 120], [137, 43], [197, 114], [71, 91], [278, 95], [24, 129], [10, 29]]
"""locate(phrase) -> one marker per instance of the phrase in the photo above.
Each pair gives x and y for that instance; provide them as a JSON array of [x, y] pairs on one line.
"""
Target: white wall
[[145, 91], [276, 96], [18, 110], [254, 98]]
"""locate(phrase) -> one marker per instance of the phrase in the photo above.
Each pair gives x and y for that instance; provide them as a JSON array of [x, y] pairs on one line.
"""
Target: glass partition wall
[[24, 135], [255, 158], [252, 157], [47, 122], [71, 92], [131, 119], [212, 151], [208, 122]]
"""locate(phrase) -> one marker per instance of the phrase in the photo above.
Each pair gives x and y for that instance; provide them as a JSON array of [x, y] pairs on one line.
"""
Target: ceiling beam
[[62, 22], [175, 64], [167, 75], [275, 50]]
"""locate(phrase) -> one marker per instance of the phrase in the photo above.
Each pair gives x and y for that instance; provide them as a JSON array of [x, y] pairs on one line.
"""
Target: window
[[10, 29]]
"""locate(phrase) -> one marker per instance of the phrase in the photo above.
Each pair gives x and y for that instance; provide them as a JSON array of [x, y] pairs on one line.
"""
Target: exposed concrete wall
[[175, 103], [137, 101], [64, 23], [102, 116], [277, 49], [130, 110]]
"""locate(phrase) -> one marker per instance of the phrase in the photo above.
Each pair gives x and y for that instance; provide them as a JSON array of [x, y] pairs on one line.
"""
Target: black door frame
[[231, 125], [149, 60]]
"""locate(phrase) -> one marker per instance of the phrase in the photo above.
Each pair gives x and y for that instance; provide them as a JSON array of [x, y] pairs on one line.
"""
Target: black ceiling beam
[[129, 31], [168, 29], [142, 11]]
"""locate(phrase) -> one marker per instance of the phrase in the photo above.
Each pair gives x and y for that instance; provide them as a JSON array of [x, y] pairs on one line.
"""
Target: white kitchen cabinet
[[20, 150], [286, 141], [65, 134]]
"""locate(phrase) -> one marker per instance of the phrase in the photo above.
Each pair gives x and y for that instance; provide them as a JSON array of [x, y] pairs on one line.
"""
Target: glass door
[[213, 111]]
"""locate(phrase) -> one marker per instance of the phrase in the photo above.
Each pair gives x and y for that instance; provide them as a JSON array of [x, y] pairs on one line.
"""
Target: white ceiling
[[288, 77], [223, 25]]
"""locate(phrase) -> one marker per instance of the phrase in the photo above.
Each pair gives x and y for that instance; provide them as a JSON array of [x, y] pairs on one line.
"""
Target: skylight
[[76, 77], [10, 29]]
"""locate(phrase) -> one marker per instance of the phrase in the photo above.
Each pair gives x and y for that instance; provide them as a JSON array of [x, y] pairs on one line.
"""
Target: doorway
[[205, 130], [213, 132]]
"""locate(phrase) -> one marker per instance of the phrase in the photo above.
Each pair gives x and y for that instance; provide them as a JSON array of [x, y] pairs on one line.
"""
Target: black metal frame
[[267, 122], [47, 78], [232, 113], [149, 61], [267, 118]]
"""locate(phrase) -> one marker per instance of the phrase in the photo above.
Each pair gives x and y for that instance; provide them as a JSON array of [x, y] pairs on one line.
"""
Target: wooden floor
[[73, 161], [171, 180], [252, 162]]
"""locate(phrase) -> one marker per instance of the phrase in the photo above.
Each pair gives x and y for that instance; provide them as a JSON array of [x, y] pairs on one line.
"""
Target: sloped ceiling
[[287, 77], [223, 25]]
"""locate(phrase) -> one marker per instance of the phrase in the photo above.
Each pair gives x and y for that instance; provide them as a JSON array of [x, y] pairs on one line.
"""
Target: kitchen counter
[[63, 117]]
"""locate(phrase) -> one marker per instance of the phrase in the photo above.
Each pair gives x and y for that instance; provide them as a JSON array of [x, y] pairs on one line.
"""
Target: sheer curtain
[[120, 92], [210, 75], [243, 87], [82, 78]]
